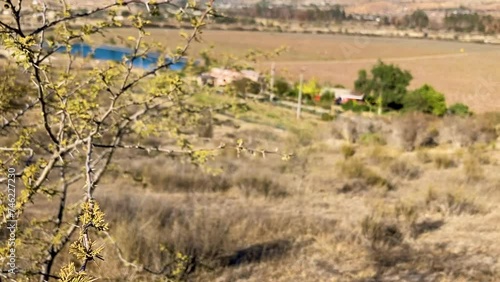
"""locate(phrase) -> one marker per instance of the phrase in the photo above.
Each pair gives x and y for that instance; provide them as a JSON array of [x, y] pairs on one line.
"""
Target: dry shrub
[[302, 136], [488, 126], [355, 169], [210, 234], [352, 127], [472, 169], [352, 186], [444, 161], [162, 229], [177, 177], [405, 169], [256, 185], [381, 233], [466, 131], [205, 126], [386, 232], [255, 137], [262, 135], [380, 155], [372, 139], [433, 262], [412, 131], [423, 156], [386, 241], [349, 130], [481, 153], [183, 178], [337, 133], [347, 151], [452, 203]]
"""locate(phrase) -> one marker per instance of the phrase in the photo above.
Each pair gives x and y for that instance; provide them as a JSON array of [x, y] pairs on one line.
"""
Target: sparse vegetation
[[405, 169], [200, 185], [459, 109], [348, 151]]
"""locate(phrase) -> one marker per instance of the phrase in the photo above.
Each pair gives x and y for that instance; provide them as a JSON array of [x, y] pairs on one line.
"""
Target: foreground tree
[[68, 118]]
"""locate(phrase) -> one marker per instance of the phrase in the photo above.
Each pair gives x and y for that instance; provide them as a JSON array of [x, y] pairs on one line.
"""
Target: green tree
[[385, 86], [417, 19], [281, 87], [246, 85], [311, 88], [427, 100], [459, 109]]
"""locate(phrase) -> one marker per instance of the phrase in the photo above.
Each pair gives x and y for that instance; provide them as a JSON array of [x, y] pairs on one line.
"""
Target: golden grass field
[[464, 72], [338, 211], [388, 198]]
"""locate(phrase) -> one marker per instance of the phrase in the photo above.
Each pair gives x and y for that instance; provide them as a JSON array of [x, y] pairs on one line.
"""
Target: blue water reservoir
[[119, 54]]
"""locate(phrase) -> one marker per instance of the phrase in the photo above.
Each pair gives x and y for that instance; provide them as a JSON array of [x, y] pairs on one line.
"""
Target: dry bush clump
[[465, 132], [488, 126], [412, 130], [452, 203], [358, 128], [481, 152], [355, 169], [391, 238], [212, 233], [380, 155], [424, 156], [301, 136], [444, 161], [259, 185], [472, 169], [347, 151], [173, 177], [372, 139], [381, 233], [170, 177], [405, 169], [386, 240]]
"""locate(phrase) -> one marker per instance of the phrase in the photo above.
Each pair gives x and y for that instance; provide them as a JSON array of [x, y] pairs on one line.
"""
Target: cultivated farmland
[[465, 72]]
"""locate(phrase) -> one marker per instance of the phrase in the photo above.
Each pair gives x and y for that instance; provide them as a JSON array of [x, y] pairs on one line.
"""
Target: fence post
[[271, 94], [299, 101]]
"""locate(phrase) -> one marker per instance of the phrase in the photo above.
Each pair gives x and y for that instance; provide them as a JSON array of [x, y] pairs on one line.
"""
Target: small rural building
[[343, 95], [222, 77]]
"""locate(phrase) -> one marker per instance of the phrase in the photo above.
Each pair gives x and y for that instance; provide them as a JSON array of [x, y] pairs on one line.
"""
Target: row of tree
[[385, 88], [472, 22], [287, 13], [459, 21]]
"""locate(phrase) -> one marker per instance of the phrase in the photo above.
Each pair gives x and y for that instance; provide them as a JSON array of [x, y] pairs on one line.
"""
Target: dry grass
[[260, 217], [380, 214]]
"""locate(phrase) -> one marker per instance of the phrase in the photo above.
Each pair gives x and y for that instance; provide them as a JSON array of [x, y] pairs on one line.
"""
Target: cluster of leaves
[[425, 99], [386, 86]]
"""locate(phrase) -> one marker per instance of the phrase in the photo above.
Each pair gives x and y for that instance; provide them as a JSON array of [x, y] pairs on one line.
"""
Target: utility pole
[[299, 101], [271, 94]]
